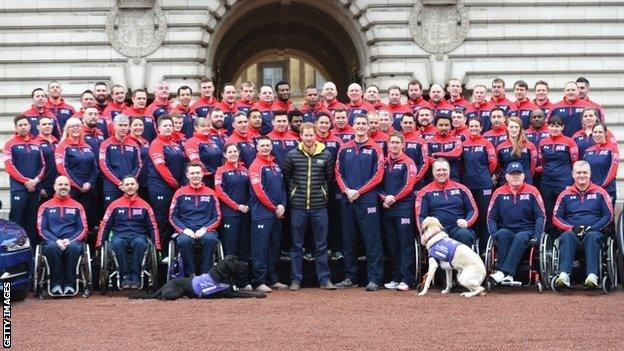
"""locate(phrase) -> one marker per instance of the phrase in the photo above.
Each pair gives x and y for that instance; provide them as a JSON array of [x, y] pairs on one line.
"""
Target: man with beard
[[283, 102], [255, 124], [295, 120], [228, 106], [216, 131], [312, 106], [415, 101], [100, 89], [425, 118]]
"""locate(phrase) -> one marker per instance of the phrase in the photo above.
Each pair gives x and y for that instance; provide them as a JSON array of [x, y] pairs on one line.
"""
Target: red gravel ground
[[509, 319]]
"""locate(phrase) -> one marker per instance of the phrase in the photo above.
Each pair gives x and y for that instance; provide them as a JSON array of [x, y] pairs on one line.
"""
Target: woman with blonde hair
[[517, 148]]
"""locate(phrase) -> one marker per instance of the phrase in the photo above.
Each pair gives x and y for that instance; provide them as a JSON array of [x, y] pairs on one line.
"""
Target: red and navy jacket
[[188, 120], [143, 146], [203, 106], [179, 138], [546, 106], [584, 141], [105, 126], [195, 208], [447, 202], [378, 105], [528, 159], [604, 160], [482, 111], [62, 111], [397, 111], [591, 207], [117, 160], [535, 136], [518, 211], [461, 133], [218, 136], [503, 103], [166, 167], [345, 134], [93, 137], [310, 114], [571, 113], [448, 147], [334, 105], [282, 105], [417, 104], [381, 139], [47, 148], [460, 103], [556, 156], [244, 105], [128, 217], [360, 167], [113, 109], [598, 107], [478, 162], [228, 115], [522, 109], [23, 160], [332, 143], [399, 178], [33, 117], [416, 149], [246, 146], [360, 108], [428, 132], [200, 148], [266, 110], [61, 218], [496, 135], [232, 188], [149, 132], [443, 108], [282, 143], [157, 109], [76, 161], [267, 188]]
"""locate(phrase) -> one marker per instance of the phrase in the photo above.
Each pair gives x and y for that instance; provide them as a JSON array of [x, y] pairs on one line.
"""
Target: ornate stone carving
[[439, 26], [136, 28]]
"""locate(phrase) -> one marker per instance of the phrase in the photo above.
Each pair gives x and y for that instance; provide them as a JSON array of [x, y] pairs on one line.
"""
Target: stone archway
[[320, 30]]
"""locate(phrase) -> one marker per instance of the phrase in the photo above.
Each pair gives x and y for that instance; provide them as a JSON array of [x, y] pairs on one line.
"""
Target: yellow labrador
[[450, 254]]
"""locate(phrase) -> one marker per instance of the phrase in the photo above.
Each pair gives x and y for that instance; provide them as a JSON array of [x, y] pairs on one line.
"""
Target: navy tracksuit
[[496, 135], [23, 160], [195, 208], [571, 114], [556, 155], [528, 159], [399, 179], [78, 162], [479, 163], [47, 148], [266, 193], [448, 203], [246, 146], [448, 147], [143, 146], [62, 218], [202, 108], [232, 189], [334, 235], [150, 130], [266, 110], [522, 109], [604, 160], [591, 207], [282, 143], [482, 111], [359, 166], [202, 149], [62, 111], [33, 117], [514, 218], [165, 175], [361, 108], [416, 149], [535, 136], [130, 221], [117, 159]]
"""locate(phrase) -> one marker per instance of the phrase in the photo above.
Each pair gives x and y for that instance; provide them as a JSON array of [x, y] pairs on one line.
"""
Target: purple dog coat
[[204, 285], [444, 250]]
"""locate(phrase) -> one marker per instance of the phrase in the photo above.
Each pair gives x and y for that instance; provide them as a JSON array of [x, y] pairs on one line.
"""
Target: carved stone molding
[[136, 28], [439, 26]]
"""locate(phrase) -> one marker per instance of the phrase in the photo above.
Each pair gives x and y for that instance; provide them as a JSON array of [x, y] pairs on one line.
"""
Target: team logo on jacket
[[592, 197], [405, 221], [187, 198], [371, 210], [137, 211], [70, 211], [204, 199], [454, 192], [367, 151], [525, 197]]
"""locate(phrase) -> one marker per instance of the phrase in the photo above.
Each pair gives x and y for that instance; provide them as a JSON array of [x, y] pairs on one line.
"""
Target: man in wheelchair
[[582, 211], [62, 226], [127, 223], [515, 216], [195, 215]]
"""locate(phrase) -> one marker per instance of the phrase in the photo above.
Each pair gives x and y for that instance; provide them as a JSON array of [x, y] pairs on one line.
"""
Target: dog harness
[[444, 250], [204, 285]]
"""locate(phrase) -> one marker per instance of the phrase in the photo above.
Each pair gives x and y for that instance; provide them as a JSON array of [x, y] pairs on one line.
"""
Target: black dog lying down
[[216, 284]]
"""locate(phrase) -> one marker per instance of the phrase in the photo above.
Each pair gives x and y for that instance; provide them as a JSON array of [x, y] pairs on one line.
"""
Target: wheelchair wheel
[[418, 260], [153, 267], [490, 256], [539, 287], [545, 260], [41, 275], [489, 284], [606, 284], [104, 261], [171, 252], [36, 278], [87, 273], [611, 261], [554, 286]]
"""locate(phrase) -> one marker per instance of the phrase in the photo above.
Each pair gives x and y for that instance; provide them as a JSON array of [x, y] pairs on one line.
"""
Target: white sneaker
[[69, 290], [165, 260], [392, 285], [563, 280], [508, 279], [56, 290], [498, 276], [248, 288], [591, 281], [403, 287]]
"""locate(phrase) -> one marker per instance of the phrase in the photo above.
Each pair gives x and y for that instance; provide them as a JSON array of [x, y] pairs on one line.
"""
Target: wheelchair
[[607, 275], [41, 278], [175, 266], [110, 277], [528, 265], [619, 237]]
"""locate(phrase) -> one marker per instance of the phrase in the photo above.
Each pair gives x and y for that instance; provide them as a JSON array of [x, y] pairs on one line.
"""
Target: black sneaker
[[371, 287], [346, 284]]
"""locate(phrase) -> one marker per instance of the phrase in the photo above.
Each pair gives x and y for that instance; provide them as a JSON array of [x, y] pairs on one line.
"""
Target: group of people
[[336, 180]]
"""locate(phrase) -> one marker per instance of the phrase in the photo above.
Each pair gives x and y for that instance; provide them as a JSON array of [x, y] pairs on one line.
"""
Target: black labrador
[[218, 283]]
